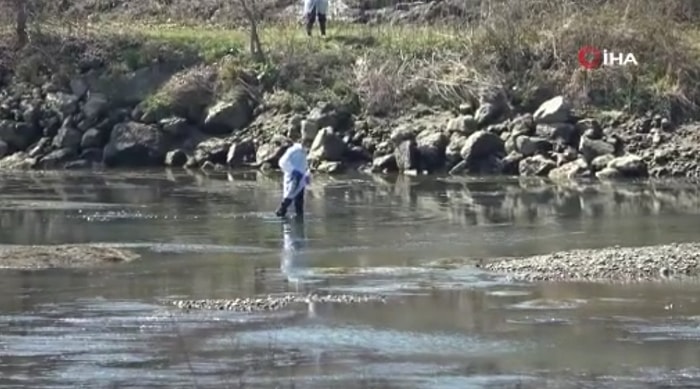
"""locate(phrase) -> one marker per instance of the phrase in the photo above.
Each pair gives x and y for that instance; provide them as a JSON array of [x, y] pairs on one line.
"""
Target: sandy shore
[[615, 264], [61, 256]]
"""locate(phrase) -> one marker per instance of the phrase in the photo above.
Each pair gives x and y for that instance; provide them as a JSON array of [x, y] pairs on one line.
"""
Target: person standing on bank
[[296, 178], [314, 9]]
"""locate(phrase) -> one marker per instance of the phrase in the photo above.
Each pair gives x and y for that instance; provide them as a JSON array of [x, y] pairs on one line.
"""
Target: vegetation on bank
[[527, 48]]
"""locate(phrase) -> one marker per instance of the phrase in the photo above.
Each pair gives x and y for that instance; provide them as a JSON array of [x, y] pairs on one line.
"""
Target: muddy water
[[441, 327]]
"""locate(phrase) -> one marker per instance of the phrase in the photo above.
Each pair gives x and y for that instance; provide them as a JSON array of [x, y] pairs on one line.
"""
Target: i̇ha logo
[[592, 58]]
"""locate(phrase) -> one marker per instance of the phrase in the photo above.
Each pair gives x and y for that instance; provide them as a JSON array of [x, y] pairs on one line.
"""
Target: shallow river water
[[440, 326]]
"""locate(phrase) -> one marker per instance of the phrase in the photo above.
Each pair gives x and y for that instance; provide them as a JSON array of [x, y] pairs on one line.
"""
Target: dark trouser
[[298, 203], [311, 18]]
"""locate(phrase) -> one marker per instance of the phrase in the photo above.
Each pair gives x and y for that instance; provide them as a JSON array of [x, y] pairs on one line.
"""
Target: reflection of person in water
[[294, 236]]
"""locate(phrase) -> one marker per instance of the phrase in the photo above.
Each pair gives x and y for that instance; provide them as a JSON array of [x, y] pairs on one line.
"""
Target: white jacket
[[294, 159], [321, 6]]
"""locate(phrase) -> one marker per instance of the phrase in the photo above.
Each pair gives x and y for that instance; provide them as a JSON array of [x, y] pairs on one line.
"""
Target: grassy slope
[[527, 48]]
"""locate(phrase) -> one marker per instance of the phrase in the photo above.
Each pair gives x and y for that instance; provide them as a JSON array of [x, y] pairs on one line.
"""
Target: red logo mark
[[589, 57]]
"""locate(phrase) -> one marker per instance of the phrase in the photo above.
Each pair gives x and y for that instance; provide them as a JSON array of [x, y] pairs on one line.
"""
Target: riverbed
[[435, 326]]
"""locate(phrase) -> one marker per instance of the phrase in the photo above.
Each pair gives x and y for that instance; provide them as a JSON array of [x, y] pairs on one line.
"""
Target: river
[[440, 327]]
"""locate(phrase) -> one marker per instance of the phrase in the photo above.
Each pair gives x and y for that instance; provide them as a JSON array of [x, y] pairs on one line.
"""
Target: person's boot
[[282, 210]]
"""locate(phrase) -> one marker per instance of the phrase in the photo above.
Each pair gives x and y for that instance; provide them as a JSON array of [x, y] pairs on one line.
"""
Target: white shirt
[[321, 6]]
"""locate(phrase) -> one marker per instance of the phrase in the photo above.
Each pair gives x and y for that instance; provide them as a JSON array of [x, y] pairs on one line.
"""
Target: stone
[[569, 171], [214, 150], [385, 163], [67, 137], [309, 130], [629, 166], [482, 144], [225, 117], [17, 161], [406, 155], [4, 149], [176, 158], [465, 124], [555, 110], [537, 165], [95, 106], [240, 152], [453, 152], [57, 158], [62, 103], [133, 144], [272, 151], [530, 145], [601, 162], [591, 148], [176, 127], [431, 146], [327, 146], [18, 135]]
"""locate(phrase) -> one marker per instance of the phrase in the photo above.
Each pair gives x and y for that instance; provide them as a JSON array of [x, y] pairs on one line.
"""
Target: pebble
[[272, 303], [626, 264]]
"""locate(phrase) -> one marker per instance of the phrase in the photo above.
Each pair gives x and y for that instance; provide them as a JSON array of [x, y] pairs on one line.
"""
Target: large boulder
[[95, 106], [591, 149], [629, 166], [465, 125], [18, 135], [67, 137], [213, 150], [555, 110], [431, 149], [270, 152], [240, 152], [531, 145], [327, 146], [133, 144], [92, 138], [225, 117], [57, 158], [482, 145], [63, 104], [537, 165]]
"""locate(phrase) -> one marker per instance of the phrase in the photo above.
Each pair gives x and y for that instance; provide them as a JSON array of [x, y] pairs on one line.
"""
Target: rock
[[358, 154], [537, 165], [78, 87], [608, 174], [431, 147], [327, 146], [240, 153], [511, 163], [62, 103], [40, 148], [487, 114], [601, 162], [481, 145], [328, 115], [92, 138], [176, 158], [590, 128], [406, 155], [385, 163], [176, 127], [555, 110], [17, 161], [134, 144], [523, 125], [95, 106], [214, 150], [18, 135], [453, 152], [67, 137], [569, 171], [591, 148], [93, 155], [563, 133], [466, 108], [32, 114], [4, 149], [271, 152], [486, 166], [331, 167], [57, 158], [629, 166], [78, 164], [465, 125], [309, 130], [401, 134], [529, 146], [225, 117]]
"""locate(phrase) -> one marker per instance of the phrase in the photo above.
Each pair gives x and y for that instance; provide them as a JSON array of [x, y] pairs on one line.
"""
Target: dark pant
[[311, 19], [298, 202]]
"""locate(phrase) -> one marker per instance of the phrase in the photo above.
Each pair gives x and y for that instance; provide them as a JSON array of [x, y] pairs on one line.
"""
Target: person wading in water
[[315, 9], [296, 177]]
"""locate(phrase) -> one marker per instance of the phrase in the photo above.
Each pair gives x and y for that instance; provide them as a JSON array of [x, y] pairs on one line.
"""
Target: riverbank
[[614, 264], [506, 96]]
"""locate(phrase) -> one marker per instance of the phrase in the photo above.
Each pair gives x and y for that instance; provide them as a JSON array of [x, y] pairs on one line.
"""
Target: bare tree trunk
[[252, 14], [21, 22]]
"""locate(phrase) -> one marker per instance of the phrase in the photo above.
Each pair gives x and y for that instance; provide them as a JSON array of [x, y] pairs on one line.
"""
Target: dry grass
[[526, 48]]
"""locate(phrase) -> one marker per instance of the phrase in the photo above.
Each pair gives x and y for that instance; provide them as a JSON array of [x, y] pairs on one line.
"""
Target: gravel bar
[[613, 264], [61, 256], [272, 303]]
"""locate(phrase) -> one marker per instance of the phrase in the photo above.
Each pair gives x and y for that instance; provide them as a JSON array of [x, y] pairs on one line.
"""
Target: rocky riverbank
[[61, 256], [193, 97], [273, 303], [614, 264]]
